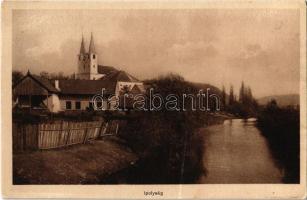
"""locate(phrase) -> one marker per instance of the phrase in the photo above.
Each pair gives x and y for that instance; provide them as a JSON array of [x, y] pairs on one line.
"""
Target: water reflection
[[236, 152]]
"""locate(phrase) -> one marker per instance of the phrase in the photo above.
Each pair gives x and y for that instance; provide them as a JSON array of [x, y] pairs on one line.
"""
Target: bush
[[170, 134], [281, 128]]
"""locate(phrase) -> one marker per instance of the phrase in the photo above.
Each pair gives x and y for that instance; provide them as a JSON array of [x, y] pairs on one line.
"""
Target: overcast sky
[[220, 47]]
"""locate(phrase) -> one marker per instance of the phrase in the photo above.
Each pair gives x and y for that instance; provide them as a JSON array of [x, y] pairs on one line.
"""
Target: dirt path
[[80, 164]]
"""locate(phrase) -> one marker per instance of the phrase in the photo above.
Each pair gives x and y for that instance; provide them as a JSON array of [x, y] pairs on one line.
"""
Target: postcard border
[[212, 191]]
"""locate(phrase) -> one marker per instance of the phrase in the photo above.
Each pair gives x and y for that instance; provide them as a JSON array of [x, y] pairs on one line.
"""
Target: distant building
[[35, 92]]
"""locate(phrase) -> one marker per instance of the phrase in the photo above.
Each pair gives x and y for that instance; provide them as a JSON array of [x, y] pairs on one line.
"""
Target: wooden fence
[[59, 134]]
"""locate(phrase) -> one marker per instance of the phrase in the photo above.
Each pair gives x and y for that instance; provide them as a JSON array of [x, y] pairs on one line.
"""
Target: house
[[35, 92]]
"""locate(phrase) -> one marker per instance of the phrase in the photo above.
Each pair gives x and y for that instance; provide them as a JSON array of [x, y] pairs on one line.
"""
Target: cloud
[[221, 46]]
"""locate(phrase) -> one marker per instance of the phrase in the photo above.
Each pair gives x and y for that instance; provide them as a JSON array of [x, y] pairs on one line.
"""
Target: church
[[37, 93], [88, 67]]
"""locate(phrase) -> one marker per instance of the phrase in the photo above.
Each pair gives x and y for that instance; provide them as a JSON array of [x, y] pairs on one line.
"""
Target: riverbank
[[152, 168], [79, 164], [281, 128], [107, 161]]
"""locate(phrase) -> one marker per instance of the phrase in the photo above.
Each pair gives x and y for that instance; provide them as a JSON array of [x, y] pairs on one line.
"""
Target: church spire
[[82, 49], [92, 46]]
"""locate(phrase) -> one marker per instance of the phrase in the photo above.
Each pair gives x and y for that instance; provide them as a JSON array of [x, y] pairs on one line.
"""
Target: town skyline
[[195, 44]]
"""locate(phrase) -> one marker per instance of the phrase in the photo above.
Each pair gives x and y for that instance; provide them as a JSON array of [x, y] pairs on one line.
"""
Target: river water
[[236, 152]]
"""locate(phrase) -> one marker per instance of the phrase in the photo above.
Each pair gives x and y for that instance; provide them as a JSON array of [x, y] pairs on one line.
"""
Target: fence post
[[37, 137], [117, 125], [106, 128], [62, 132], [68, 134], [85, 133], [24, 142], [101, 129]]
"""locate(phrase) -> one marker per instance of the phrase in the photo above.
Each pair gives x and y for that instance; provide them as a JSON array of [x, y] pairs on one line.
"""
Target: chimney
[[56, 84]]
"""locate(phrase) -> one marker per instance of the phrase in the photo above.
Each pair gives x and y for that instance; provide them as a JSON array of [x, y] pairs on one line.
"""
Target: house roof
[[86, 87], [136, 90], [105, 69], [120, 76], [45, 83]]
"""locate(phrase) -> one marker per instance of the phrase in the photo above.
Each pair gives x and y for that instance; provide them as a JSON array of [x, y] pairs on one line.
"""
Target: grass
[[80, 164]]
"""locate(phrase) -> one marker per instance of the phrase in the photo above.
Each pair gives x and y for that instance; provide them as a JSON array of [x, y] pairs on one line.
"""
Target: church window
[[94, 56]]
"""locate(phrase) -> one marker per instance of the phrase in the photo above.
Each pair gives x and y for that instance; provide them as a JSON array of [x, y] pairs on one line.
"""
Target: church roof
[[116, 76], [105, 69], [92, 46], [82, 48]]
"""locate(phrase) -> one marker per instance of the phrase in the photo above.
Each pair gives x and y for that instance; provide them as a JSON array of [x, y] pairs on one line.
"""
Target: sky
[[216, 46]]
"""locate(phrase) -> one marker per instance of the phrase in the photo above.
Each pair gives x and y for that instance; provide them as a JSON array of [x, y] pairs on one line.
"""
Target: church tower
[[88, 62], [93, 59], [82, 62]]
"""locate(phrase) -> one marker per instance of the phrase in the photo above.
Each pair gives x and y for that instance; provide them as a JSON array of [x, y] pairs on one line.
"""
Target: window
[[99, 104], [68, 105], [94, 66], [94, 56], [78, 105]]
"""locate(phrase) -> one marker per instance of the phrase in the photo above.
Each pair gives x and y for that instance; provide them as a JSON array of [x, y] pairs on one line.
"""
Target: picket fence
[[59, 134]]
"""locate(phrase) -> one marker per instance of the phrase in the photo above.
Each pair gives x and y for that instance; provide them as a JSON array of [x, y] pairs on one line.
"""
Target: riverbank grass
[[80, 164]]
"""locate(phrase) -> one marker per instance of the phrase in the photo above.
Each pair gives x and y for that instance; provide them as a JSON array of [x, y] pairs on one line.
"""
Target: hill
[[282, 100], [204, 86]]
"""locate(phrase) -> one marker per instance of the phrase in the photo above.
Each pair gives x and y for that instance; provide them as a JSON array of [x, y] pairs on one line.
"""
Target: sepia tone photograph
[[156, 97]]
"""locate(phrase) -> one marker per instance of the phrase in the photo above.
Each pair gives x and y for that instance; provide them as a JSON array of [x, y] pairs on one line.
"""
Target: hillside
[[199, 86], [204, 86], [282, 100]]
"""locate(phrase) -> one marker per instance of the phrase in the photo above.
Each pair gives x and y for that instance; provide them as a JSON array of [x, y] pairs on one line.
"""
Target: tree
[[242, 93], [231, 96], [223, 97], [72, 76], [16, 76], [173, 132], [45, 74], [59, 75]]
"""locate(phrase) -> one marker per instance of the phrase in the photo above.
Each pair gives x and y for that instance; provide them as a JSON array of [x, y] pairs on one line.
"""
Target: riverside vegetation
[[169, 146], [169, 137], [281, 127]]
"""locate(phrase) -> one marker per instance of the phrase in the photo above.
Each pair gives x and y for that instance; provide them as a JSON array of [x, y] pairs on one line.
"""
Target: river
[[236, 152]]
